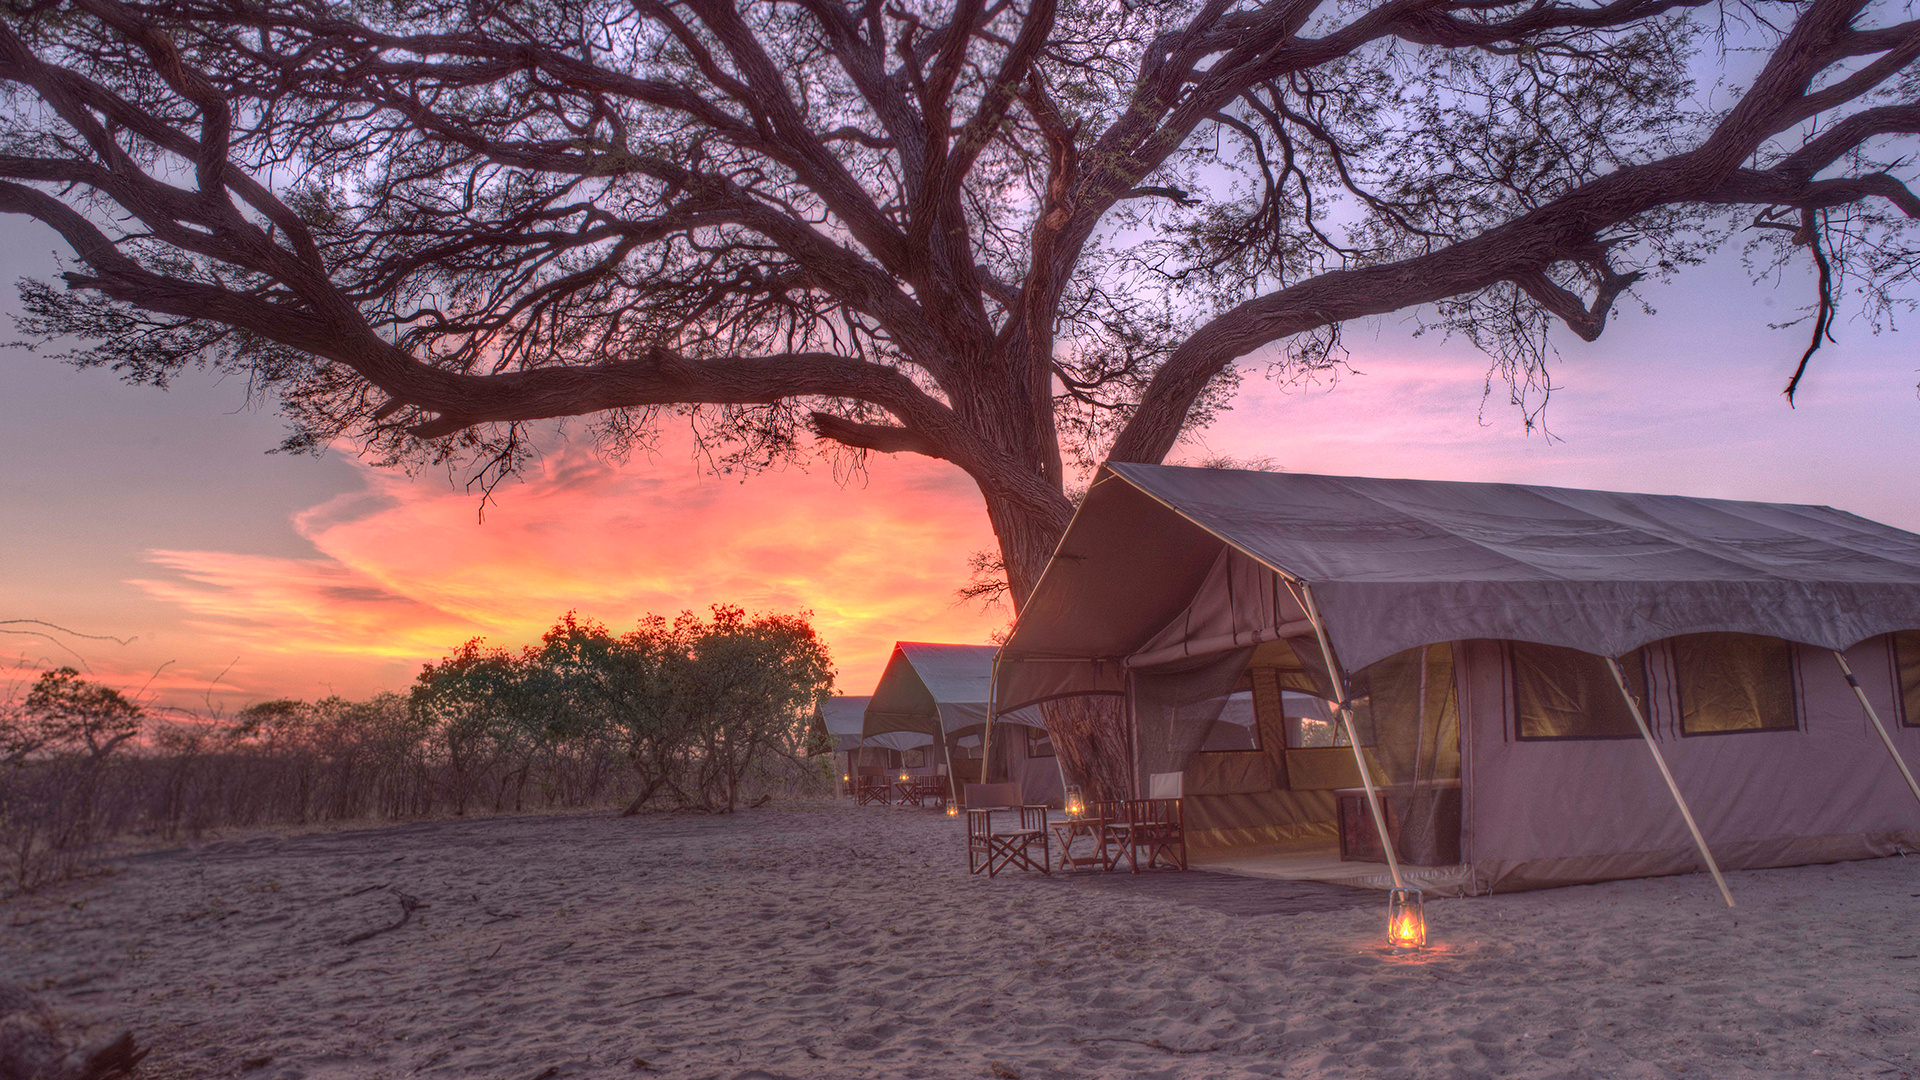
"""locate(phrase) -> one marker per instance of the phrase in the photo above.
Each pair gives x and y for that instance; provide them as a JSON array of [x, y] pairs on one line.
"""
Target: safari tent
[[1473, 631], [843, 716], [935, 690]]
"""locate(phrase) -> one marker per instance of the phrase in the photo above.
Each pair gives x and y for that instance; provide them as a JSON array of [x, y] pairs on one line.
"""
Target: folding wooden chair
[[1153, 826], [873, 786], [994, 850]]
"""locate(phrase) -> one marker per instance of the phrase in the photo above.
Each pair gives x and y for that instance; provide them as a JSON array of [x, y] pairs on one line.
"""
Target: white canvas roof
[[931, 688], [1162, 562]]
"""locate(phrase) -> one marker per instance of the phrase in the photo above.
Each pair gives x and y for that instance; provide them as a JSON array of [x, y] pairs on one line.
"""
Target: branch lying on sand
[[1155, 1044], [658, 997], [408, 905]]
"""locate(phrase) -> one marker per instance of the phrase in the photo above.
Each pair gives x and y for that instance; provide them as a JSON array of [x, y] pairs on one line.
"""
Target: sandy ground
[[830, 941]]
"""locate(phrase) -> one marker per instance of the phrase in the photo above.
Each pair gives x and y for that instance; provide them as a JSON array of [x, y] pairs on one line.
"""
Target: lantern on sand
[[1076, 804], [953, 809], [1406, 919]]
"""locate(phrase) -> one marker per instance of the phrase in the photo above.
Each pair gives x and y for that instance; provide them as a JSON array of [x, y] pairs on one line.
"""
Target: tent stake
[[1620, 680], [1877, 725], [1353, 738]]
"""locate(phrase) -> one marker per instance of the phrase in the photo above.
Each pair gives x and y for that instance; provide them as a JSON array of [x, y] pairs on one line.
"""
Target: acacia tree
[[1022, 236], [622, 688], [67, 714], [754, 684]]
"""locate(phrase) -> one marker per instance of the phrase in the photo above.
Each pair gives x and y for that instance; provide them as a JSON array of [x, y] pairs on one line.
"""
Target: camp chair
[[1154, 825], [873, 786], [993, 850]]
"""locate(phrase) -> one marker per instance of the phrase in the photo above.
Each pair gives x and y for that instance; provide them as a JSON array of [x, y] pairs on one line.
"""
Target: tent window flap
[[1561, 693], [1309, 722], [1734, 682], [1237, 727]]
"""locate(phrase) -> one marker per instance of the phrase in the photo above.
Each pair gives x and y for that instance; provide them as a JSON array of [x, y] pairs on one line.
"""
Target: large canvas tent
[[1471, 628], [938, 690]]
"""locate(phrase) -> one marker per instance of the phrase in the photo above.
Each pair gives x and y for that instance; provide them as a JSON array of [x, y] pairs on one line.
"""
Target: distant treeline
[[685, 714]]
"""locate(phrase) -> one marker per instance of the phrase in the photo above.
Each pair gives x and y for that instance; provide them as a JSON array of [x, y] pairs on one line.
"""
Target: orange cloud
[[407, 569]]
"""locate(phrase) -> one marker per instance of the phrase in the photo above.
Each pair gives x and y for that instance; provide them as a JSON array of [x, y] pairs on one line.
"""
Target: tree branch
[[880, 438]]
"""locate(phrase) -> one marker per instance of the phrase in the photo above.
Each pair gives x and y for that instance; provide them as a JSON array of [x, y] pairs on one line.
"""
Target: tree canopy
[[66, 713]]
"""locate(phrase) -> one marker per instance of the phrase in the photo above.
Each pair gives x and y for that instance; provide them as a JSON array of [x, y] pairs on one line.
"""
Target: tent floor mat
[[1319, 861], [1228, 894]]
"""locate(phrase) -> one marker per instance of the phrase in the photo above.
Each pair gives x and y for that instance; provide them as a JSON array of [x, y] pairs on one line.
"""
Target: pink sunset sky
[[229, 575]]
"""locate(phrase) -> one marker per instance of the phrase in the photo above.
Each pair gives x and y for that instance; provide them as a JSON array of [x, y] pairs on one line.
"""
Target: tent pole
[[859, 759], [946, 755], [1877, 725], [1353, 739], [986, 731], [1420, 733], [1620, 680], [1058, 766]]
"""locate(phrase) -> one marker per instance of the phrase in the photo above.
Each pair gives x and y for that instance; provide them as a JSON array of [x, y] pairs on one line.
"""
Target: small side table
[[1072, 829]]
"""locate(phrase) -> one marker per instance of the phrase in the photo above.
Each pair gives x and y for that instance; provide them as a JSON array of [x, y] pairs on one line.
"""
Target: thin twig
[[408, 905], [658, 997]]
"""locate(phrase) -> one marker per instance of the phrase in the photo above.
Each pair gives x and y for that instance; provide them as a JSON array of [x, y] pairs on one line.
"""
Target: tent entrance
[[1265, 770]]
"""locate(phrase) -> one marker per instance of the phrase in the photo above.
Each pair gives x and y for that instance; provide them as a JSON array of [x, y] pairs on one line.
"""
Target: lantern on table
[[1406, 919], [905, 776], [1076, 804]]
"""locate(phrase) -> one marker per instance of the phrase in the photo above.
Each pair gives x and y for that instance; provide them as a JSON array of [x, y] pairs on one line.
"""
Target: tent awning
[[1161, 562]]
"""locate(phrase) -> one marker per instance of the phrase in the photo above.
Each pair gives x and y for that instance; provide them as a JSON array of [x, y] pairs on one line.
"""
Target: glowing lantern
[[904, 777], [846, 778], [1406, 919], [1076, 802], [953, 809]]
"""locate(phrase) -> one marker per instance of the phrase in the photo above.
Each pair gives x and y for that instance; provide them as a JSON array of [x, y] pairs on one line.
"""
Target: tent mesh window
[[1906, 666], [1039, 742], [915, 758], [1561, 693], [1734, 682]]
